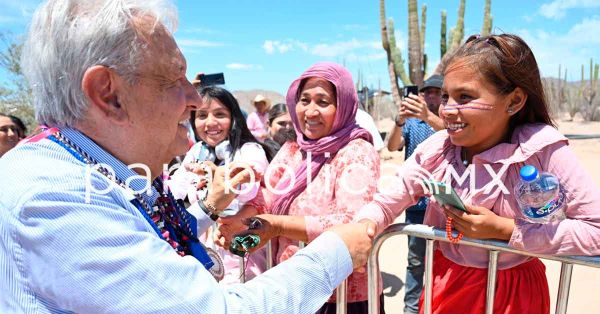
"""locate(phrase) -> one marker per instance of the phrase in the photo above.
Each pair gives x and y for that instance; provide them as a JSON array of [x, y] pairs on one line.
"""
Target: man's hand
[[231, 225], [224, 180], [414, 106], [358, 238], [197, 82]]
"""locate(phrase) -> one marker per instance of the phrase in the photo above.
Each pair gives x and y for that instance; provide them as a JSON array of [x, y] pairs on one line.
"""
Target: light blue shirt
[[63, 249]]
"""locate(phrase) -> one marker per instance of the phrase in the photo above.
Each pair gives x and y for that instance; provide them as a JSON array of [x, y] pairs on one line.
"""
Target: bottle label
[[548, 209]]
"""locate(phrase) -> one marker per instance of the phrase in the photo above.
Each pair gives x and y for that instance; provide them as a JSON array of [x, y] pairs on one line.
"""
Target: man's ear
[[517, 101], [99, 85]]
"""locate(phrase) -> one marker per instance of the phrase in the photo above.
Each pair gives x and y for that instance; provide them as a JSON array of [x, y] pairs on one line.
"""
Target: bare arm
[[396, 140]]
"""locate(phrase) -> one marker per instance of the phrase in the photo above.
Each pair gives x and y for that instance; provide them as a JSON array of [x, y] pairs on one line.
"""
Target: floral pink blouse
[[342, 186]]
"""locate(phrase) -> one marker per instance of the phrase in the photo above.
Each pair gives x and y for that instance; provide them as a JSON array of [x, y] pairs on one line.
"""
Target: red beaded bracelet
[[449, 232]]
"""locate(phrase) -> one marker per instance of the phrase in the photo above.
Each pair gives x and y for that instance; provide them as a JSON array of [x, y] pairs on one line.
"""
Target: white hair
[[66, 37]]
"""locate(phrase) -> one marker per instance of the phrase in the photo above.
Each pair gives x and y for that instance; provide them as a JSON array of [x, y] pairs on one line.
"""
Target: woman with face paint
[[497, 121]]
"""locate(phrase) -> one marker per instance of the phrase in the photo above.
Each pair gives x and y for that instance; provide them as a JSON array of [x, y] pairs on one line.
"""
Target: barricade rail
[[432, 234], [340, 294]]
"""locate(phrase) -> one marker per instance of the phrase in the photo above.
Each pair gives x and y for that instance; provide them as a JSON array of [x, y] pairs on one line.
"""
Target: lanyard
[[187, 223]]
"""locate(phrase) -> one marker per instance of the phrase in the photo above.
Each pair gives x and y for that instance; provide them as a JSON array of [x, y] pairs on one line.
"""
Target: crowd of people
[[92, 220]]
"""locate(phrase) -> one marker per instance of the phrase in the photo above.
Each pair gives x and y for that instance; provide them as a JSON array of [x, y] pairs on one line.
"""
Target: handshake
[[357, 236], [246, 231]]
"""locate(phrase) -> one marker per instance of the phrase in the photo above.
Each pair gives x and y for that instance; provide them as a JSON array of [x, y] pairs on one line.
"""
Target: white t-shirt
[[365, 121]]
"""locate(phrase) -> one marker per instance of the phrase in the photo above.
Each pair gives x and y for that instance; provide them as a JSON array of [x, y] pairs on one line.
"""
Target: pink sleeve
[[579, 234], [391, 200], [402, 187], [358, 160]]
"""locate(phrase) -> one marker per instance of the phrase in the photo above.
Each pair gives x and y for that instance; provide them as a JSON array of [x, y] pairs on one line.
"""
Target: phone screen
[[211, 79], [445, 195], [410, 89]]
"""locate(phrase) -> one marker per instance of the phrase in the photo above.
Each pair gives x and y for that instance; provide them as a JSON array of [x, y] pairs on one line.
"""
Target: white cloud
[[352, 57], [272, 46], [570, 49], [557, 8], [198, 43], [242, 66], [329, 50]]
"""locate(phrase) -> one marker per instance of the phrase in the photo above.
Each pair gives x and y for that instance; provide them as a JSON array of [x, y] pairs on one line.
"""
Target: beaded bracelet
[[449, 232]]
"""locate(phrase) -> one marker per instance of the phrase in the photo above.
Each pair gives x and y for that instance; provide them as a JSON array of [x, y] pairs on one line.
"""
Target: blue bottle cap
[[528, 173]]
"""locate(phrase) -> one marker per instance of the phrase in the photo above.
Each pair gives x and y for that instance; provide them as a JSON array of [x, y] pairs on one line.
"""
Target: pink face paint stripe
[[470, 105]]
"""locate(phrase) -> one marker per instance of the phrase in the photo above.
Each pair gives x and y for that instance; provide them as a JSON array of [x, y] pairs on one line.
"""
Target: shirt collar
[[525, 142], [135, 181]]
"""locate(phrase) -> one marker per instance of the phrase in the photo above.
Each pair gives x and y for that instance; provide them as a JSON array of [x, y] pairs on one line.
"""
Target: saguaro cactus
[[415, 57], [397, 54], [589, 91], [459, 31], [422, 34], [443, 35], [386, 46], [486, 29]]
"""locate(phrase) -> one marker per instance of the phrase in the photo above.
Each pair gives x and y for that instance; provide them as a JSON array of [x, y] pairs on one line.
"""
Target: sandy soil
[[585, 280]]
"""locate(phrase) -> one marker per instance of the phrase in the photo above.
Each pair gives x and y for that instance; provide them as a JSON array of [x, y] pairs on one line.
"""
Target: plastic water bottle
[[540, 196]]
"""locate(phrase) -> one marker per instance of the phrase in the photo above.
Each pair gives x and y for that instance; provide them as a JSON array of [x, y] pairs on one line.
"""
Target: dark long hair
[[507, 62], [239, 134], [277, 111], [18, 122]]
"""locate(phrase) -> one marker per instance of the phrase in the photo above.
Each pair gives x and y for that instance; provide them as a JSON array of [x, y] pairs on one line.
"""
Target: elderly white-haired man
[[81, 228]]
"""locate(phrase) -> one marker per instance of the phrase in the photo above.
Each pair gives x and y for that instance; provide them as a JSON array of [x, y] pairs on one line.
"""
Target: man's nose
[[192, 97]]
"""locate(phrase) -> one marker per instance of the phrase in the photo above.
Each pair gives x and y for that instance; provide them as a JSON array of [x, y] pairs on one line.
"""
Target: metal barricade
[[432, 234]]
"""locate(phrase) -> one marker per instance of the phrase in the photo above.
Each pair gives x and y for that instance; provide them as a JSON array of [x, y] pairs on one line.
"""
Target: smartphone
[[445, 195], [410, 89], [211, 79]]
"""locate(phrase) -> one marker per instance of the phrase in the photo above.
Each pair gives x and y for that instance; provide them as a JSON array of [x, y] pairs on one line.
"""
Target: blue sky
[[267, 44]]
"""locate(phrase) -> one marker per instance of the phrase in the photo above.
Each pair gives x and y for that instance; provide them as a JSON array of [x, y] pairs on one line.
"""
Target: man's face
[[261, 106], [433, 98], [159, 103]]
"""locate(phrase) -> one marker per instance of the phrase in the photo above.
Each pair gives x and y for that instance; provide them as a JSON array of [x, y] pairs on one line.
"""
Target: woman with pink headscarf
[[324, 177]]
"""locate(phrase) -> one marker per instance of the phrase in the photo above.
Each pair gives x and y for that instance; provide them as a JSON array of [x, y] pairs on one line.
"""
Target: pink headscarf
[[343, 131]]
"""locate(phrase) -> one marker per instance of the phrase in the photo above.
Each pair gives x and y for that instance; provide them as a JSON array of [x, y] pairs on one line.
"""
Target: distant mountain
[[245, 97]]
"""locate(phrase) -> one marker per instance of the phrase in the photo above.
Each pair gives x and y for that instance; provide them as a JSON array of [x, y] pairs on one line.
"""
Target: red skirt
[[461, 289]]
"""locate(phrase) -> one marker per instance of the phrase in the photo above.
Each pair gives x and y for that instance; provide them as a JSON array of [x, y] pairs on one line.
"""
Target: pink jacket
[[535, 144], [258, 124]]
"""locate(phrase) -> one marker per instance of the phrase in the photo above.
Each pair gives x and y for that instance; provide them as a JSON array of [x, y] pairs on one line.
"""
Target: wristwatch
[[208, 209], [399, 124]]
